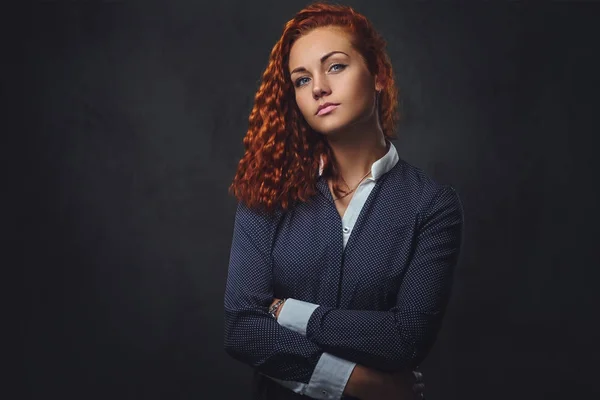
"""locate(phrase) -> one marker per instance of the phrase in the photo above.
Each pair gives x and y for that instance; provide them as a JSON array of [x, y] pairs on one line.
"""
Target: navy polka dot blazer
[[381, 297]]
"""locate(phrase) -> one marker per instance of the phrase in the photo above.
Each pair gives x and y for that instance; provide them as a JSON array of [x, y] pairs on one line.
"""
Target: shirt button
[[324, 392], [346, 229]]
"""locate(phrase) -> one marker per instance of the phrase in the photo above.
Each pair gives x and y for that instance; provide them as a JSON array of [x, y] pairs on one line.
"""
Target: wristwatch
[[273, 309]]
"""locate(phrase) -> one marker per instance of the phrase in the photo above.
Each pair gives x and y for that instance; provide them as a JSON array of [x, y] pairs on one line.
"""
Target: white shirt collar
[[379, 167]]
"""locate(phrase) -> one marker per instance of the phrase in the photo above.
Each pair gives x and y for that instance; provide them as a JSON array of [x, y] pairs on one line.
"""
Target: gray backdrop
[[128, 118]]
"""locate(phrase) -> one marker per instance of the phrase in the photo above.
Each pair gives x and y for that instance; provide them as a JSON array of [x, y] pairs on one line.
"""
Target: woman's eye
[[298, 81], [334, 67], [342, 66]]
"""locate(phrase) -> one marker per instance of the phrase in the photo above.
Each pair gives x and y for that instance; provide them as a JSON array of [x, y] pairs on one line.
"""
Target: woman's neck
[[356, 154]]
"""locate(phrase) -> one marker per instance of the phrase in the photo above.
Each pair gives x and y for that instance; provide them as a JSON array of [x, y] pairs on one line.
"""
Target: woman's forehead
[[317, 43]]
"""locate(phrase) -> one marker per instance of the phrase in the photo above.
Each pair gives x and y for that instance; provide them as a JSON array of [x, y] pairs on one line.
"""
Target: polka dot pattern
[[381, 297]]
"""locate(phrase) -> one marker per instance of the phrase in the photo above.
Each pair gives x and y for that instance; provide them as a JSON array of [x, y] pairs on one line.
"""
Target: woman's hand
[[409, 383], [369, 384]]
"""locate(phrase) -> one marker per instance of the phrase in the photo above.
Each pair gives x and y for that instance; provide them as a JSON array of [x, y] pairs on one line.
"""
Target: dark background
[[123, 129]]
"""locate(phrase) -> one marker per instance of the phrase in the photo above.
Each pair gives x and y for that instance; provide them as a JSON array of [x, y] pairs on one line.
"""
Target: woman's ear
[[378, 84]]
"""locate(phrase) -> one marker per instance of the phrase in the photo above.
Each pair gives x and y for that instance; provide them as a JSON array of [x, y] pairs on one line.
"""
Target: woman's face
[[325, 68]]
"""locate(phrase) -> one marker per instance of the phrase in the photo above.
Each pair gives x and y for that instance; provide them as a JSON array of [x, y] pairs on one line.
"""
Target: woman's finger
[[418, 376], [419, 387]]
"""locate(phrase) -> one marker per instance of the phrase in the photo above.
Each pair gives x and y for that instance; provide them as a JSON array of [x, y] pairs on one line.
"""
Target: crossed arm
[[386, 340]]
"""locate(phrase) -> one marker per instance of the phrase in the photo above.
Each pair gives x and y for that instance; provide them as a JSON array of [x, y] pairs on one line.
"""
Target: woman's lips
[[327, 109]]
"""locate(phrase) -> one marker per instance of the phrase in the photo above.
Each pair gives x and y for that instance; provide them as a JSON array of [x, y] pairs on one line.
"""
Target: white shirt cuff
[[327, 381], [329, 377], [294, 315]]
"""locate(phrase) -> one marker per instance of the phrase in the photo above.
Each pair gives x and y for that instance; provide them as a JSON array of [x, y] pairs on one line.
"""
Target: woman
[[342, 253]]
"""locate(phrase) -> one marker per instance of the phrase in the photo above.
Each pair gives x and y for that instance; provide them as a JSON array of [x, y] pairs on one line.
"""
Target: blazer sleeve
[[402, 336], [251, 335]]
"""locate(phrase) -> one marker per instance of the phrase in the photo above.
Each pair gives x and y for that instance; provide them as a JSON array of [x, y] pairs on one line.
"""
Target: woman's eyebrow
[[325, 57]]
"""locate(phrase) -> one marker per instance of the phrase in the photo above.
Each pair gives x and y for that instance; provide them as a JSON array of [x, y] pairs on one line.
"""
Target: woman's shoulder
[[412, 183], [257, 218]]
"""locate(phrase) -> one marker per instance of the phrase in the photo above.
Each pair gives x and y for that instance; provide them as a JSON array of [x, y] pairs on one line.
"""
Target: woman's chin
[[329, 129]]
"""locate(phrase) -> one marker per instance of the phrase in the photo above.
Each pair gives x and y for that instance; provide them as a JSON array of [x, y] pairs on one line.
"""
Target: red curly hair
[[282, 152]]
